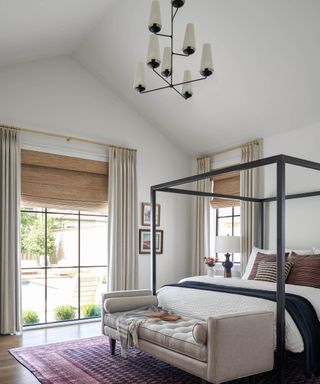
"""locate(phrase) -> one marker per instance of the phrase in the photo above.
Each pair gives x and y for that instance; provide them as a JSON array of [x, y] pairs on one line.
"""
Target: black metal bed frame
[[281, 161]]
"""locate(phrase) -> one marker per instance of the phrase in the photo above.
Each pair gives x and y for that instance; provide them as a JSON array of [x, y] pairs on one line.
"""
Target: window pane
[[62, 242], [33, 286], [224, 211], [62, 303], [225, 226], [32, 239], [93, 283], [94, 244], [236, 257], [237, 210], [236, 228]]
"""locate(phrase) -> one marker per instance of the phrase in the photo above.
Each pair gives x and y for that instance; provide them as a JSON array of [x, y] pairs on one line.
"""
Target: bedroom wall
[[302, 218], [59, 95]]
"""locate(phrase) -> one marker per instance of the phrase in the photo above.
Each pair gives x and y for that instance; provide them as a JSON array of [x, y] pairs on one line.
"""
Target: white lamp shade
[[153, 50], [155, 17], [206, 68], [187, 88], [230, 244], [166, 62], [189, 43], [139, 79]]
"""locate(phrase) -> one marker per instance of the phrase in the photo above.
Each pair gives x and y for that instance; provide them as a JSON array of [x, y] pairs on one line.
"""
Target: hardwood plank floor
[[12, 372]]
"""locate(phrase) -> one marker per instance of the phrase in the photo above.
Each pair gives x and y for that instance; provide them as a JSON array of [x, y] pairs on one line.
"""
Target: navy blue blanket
[[300, 309]]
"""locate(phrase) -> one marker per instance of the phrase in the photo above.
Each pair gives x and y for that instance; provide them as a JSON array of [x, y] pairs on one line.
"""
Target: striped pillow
[[259, 258], [305, 270], [267, 271]]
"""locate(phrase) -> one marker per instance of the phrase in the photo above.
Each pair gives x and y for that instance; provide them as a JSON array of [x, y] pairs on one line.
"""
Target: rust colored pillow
[[259, 258], [305, 270]]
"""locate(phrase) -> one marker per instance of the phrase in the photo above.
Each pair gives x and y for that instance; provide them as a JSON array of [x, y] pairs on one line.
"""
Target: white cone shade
[[166, 62], [206, 68], [153, 50], [187, 88], [155, 17], [189, 44], [139, 79]]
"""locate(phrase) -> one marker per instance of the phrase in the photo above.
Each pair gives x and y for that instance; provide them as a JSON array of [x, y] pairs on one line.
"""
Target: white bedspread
[[202, 304]]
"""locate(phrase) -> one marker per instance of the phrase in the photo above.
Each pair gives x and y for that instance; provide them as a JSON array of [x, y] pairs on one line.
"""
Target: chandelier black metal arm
[[167, 72], [171, 85]]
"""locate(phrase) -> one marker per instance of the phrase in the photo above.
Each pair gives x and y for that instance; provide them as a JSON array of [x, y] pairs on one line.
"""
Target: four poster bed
[[185, 297]]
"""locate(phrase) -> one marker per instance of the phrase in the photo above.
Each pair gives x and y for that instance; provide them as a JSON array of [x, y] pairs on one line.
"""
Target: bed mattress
[[202, 304]]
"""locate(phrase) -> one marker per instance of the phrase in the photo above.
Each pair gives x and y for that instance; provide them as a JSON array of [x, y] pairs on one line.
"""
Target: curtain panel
[[123, 219], [249, 186], [10, 288], [202, 219]]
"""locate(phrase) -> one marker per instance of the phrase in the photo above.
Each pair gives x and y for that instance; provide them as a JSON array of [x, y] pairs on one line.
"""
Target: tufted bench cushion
[[176, 336]]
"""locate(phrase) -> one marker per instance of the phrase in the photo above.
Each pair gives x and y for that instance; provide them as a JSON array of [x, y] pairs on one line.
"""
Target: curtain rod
[[256, 142], [67, 138]]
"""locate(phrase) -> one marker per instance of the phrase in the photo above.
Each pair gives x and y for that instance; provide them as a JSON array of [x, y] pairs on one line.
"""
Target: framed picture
[[146, 214], [145, 241]]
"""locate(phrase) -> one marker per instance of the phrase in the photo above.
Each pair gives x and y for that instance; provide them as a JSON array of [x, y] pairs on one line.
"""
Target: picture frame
[[145, 241], [146, 214]]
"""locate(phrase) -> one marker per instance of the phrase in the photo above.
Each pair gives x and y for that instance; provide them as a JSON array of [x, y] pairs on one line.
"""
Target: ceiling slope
[[266, 56]]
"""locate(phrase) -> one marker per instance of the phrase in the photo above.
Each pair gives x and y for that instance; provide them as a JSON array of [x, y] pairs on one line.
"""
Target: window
[[228, 223], [64, 264]]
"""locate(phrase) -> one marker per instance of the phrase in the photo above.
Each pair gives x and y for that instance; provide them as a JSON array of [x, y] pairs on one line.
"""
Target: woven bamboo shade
[[55, 181], [227, 185]]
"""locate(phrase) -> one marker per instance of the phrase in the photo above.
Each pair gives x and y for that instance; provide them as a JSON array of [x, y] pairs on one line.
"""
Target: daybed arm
[[239, 345], [117, 300]]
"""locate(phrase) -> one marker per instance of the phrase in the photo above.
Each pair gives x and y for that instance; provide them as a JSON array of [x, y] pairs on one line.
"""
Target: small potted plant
[[210, 263]]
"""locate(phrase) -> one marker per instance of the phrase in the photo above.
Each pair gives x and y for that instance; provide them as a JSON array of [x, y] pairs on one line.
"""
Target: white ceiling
[[266, 57], [31, 29]]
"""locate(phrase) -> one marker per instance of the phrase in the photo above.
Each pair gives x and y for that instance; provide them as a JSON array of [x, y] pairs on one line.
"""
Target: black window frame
[[46, 267], [232, 216]]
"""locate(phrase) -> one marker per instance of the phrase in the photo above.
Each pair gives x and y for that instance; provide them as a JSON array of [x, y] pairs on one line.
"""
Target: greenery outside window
[[64, 264]]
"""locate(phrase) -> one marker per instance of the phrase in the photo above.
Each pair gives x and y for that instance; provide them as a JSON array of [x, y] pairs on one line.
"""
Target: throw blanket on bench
[[128, 327], [300, 309]]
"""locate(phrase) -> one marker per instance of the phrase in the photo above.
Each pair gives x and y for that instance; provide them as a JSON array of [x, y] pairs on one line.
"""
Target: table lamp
[[227, 245]]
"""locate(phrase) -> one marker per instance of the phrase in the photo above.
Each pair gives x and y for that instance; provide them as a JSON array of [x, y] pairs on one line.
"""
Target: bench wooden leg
[[112, 343]]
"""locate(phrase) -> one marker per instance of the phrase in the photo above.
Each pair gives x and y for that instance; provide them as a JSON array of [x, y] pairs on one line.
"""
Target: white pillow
[[300, 251], [252, 259]]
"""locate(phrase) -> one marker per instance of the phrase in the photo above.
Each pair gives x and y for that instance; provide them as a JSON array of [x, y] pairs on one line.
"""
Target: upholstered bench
[[220, 349]]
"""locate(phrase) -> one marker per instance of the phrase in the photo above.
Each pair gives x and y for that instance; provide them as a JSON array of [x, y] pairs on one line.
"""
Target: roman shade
[[55, 181], [228, 184]]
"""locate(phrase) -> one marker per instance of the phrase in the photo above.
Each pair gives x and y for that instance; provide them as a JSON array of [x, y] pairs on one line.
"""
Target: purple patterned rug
[[88, 361]]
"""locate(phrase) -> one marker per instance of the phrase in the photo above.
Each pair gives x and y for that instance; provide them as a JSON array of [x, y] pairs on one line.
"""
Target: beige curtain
[[123, 222], [10, 289], [249, 187], [202, 219]]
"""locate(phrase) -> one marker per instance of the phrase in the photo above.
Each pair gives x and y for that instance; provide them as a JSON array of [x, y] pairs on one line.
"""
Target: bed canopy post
[[153, 248], [261, 224], [281, 214]]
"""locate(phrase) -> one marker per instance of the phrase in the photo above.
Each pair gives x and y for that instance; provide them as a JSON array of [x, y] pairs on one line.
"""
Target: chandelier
[[166, 70]]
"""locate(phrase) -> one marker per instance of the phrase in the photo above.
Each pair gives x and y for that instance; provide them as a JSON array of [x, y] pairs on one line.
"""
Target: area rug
[[88, 361]]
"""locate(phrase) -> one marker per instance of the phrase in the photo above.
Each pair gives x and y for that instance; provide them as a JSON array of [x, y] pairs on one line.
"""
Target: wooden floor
[[11, 372]]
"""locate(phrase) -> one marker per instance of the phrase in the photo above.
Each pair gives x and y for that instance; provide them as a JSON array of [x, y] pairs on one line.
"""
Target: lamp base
[[206, 72], [140, 88], [227, 266], [153, 63], [187, 95], [178, 3], [155, 28]]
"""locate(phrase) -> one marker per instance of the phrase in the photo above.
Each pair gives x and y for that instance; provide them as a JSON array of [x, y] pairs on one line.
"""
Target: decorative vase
[[211, 271]]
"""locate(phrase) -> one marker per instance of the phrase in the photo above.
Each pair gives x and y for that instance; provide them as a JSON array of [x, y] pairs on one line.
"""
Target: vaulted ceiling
[[266, 55]]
